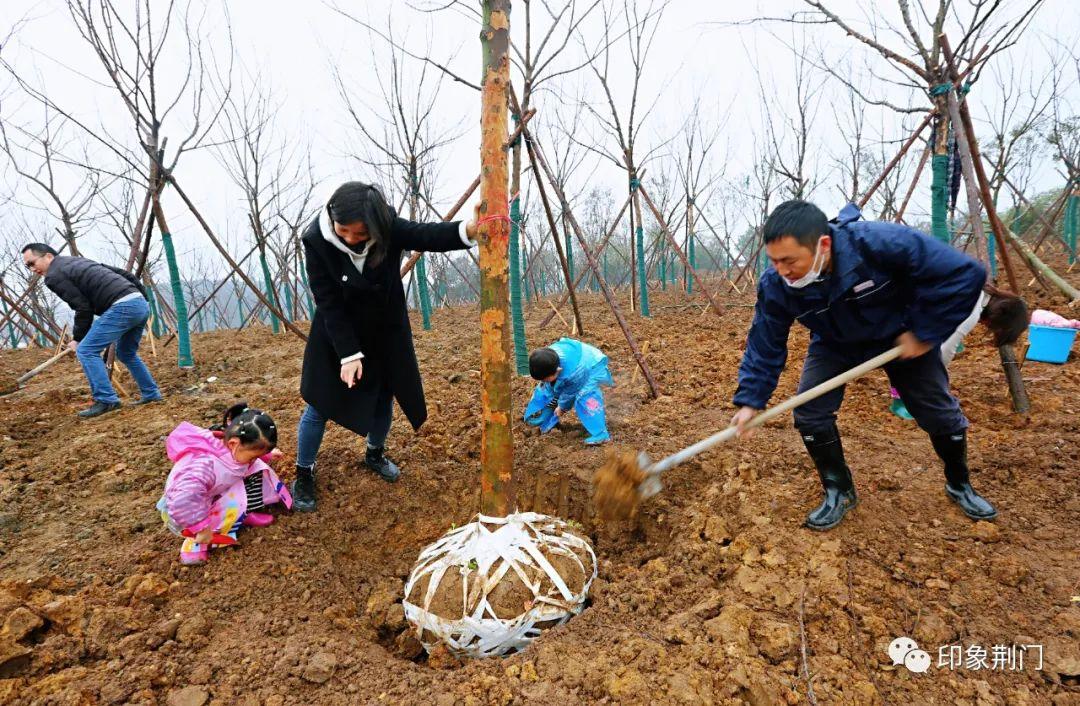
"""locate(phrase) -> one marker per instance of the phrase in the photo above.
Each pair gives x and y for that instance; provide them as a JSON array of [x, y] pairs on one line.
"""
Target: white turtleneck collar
[[326, 227]]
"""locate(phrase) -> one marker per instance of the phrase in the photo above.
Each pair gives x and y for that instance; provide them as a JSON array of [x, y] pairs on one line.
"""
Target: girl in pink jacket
[[220, 479]]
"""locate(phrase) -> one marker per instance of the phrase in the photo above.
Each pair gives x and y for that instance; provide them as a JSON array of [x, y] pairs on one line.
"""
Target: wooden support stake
[[895, 160], [679, 251], [537, 153], [563, 262], [232, 263], [1015, 378], [980, 170], [599, 251]]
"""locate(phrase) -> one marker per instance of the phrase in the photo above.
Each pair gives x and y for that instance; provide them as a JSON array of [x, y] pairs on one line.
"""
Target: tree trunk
[[497, 445]]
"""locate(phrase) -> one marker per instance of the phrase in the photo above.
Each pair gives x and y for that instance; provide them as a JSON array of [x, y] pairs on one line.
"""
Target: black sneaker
[[377, 461], [99, 408], [148, 400]]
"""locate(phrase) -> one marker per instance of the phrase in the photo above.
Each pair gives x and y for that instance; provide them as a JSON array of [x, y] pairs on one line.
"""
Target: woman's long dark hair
[[356, 202], [1006, 315]]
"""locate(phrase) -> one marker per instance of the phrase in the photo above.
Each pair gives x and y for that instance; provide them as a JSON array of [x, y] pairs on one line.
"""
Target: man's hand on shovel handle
[[911, 347], [744, 415]]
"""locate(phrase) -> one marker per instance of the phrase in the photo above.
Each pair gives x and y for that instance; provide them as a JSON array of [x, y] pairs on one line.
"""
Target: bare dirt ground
[[715, 593]]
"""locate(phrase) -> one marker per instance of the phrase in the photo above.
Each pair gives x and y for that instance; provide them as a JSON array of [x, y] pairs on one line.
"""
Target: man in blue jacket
[[861, 288]]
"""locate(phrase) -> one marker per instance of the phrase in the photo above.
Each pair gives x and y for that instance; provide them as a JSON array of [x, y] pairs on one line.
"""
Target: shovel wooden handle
[[44, 366], [789, 404]]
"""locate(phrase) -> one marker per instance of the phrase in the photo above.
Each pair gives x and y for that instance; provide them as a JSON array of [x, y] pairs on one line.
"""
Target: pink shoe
[[258, 519]]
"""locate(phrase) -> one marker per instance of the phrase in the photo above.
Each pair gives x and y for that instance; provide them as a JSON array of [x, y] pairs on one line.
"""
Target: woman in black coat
[[361, 326]]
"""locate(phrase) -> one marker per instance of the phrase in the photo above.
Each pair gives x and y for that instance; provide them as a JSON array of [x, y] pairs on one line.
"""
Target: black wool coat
[[365, 312]]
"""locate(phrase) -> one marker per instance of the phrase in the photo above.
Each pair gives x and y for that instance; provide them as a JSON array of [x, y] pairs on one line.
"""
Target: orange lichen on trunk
[[497, 450]]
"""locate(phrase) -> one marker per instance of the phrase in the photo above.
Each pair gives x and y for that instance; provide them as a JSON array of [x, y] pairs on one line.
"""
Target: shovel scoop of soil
[[616, 486]]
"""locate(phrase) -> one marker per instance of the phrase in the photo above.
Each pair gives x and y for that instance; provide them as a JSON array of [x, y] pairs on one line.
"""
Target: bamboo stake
[[895, 160], [654, 391], [599, 251], [232, 263], [679, 251], [563, 262], [980, 170]]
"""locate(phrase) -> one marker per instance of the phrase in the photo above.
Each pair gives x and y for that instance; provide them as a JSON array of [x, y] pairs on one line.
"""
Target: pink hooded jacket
[[203, 469]]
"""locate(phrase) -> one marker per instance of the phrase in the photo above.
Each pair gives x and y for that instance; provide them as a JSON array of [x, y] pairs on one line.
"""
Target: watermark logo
[[905, 651], [1005, 658]]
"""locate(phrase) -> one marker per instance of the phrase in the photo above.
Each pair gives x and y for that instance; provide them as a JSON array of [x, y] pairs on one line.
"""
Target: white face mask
[[814, 272]]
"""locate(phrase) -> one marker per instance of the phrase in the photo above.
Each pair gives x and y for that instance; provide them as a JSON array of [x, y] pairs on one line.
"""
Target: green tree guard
[[517, 314], [307, 293], [643, 289], [183, 335], [991, 249], [200, 323], [543, 283], [662, 265], [240, 310], [525, 293], [693, 262], [268, 284], [155, 314], [10, 327], [939, 201], [288, 299], [422, 293], [1072, 215], [569, 254]]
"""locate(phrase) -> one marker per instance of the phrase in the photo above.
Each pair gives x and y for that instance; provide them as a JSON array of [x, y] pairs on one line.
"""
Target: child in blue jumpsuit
[[570, 374]]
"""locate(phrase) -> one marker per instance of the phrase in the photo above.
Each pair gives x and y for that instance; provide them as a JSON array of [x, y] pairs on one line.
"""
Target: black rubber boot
[[952, 450], [828, 455], [303, 489], [377, 461], [99, 408]]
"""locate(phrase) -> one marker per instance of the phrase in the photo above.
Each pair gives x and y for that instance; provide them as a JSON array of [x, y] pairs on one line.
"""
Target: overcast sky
[[294, 47]]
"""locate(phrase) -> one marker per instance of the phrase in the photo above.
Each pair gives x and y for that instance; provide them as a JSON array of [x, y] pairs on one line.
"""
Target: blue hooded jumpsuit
[[584, 370]]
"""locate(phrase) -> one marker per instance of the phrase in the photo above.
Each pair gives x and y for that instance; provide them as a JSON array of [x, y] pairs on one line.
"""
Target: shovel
[[628, 479], [8, 387]]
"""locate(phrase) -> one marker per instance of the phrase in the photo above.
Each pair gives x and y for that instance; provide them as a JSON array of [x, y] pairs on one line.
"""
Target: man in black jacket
[[119, 302]]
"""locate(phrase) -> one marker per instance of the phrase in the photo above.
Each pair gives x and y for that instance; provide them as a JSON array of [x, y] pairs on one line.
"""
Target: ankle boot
[[952, 450], [303, 489], [839, 491], [377, 461]]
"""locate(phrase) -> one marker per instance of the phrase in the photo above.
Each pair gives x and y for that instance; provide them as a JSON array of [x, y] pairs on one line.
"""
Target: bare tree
[[789, 124], [41, 155], [401, 138]]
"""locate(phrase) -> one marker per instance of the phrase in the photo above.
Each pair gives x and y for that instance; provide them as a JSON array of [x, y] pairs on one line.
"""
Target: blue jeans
[[923, 384], [122, 324], [309, 433]]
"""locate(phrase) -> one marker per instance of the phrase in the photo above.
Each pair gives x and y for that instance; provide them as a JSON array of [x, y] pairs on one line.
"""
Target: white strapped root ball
[[490, 587]]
